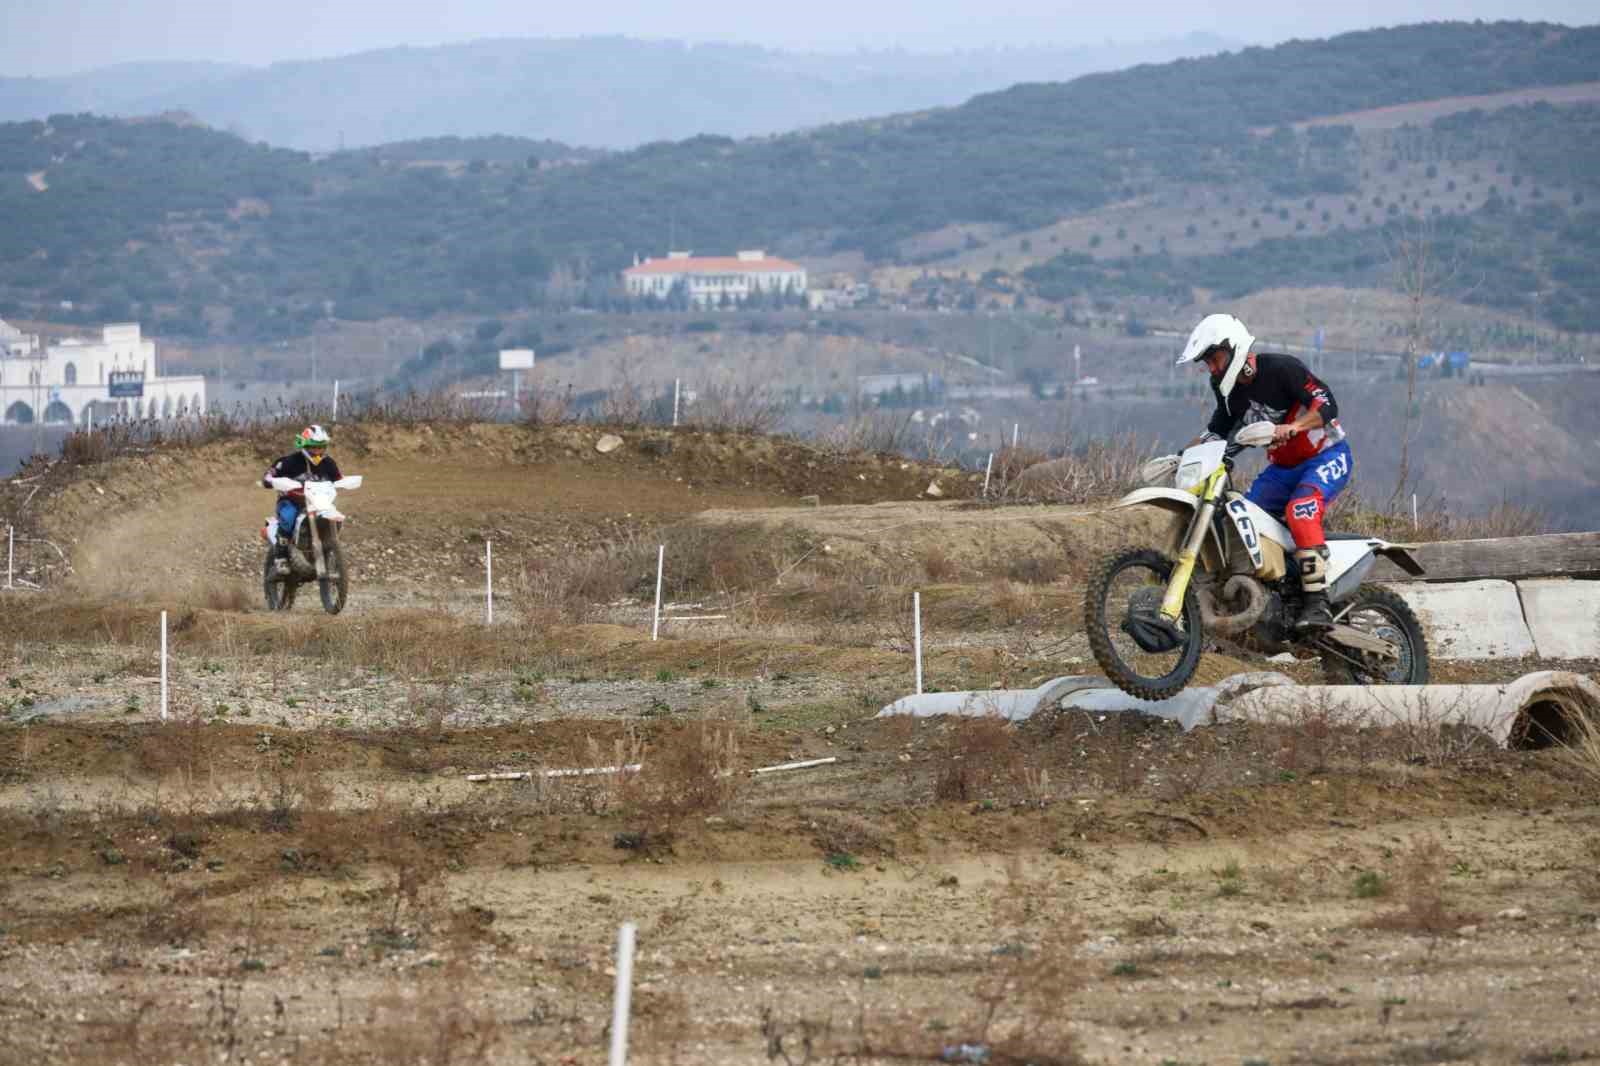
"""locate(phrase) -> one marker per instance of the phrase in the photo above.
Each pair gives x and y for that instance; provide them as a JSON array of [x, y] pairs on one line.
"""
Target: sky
[[66, 36]]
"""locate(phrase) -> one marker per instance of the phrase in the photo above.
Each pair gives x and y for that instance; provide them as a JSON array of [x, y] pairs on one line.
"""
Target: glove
[[284, 484]]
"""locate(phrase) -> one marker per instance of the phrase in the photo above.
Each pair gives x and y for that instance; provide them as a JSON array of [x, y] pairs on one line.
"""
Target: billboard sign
[[516, 359], [125, 384]]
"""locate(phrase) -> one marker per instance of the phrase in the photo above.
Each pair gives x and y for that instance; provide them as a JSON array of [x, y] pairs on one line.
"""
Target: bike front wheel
[[1124, 592]]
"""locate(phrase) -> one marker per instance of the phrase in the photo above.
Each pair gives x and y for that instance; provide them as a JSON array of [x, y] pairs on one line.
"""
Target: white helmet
[[1215, 330]]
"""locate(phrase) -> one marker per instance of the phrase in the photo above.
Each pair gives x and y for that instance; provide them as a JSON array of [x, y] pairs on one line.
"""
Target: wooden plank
[[1548, 555]]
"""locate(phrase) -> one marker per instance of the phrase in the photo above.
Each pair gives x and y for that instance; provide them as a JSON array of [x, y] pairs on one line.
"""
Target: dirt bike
[[1227, 569], [314, 552]]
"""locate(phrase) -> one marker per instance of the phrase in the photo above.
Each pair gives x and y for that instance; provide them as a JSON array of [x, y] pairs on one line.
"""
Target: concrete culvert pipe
[[1536, 710]]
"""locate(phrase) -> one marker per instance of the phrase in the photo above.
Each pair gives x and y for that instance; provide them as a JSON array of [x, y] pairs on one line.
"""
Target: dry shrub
[[566, 586], [435, 1027], [876, 432], [1037, 569], [1581, 743], [736, 409], [844, 833], [1392, 519], [937, 564], [694, 768], [706, 560], [1010, 603], [228, 596], [1030, 975], [1421, 887], [543, 406], [1097, 470], [978, 758]]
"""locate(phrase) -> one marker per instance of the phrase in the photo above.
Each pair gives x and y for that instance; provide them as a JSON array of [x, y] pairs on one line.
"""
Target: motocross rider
[[311, 462], [1309, 461]]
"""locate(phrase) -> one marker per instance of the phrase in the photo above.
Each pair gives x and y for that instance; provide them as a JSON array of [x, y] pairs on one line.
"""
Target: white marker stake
[[620, 1002], [916, 634], [163, 666], [661, 558], [335, 417], [988, 466], [1014, 427], [1413, 512], [11, 554], [677, 384], [488, 582], [91, 419]]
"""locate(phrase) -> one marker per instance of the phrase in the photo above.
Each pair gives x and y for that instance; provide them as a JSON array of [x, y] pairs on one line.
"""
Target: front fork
[[1178, 584], [316, 547]]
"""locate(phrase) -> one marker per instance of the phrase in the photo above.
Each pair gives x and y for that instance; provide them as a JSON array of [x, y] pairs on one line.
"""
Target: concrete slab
[[1470, 619], [1563, 615], [1189, 708], [1505, 712]]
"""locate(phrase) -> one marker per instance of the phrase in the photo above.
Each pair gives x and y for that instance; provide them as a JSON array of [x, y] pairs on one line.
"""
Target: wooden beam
[[1548, 555]]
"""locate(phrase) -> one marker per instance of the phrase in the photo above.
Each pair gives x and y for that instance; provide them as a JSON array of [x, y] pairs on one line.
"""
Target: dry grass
[[735, 409], [981, 760], [1392, 520], [1095, 471], [1421, 888], [1582, 745]]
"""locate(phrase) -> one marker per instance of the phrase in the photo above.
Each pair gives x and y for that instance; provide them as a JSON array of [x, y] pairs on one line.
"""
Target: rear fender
[[1180, 506]]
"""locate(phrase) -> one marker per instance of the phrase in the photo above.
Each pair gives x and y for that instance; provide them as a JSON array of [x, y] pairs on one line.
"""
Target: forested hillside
[[196, 230]]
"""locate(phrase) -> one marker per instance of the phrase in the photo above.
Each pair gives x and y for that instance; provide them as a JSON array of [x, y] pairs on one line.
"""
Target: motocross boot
[[1314, 613], [280, 556]]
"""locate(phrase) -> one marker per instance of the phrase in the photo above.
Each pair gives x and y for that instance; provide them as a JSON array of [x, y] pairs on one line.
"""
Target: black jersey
[[297, 467], [1280, 391]]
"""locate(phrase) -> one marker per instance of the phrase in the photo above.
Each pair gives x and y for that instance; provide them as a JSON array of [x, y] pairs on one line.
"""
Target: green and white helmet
[[312, 436]]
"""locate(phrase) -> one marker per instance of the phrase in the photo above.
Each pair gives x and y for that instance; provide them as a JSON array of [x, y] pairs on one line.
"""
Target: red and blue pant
[[1302, 493]]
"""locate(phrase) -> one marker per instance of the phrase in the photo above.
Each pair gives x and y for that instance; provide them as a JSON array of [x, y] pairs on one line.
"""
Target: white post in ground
[[90, 415], [677, 385], [1014, 427], [11, 553], [335, 417], [621, 1001], [988, 466], [916, 634], [661, 558], [1413, 512], [488, 582], [163, 666]]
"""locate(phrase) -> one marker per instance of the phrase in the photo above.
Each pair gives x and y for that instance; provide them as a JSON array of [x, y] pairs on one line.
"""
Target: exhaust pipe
[[1232, 623]]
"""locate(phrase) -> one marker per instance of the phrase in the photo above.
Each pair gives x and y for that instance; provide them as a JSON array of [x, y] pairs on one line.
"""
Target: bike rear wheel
[[1380, 613]]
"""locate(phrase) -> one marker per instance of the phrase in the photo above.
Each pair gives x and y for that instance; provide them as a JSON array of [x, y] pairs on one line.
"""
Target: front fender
[[1181, 506], [1171, 499]]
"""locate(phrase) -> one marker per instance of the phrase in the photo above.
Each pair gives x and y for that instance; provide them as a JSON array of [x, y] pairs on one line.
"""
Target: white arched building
[[116, 376]]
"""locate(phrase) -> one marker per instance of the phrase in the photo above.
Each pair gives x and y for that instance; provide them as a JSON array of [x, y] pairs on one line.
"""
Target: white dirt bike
[[1226, 568], [314, 551]]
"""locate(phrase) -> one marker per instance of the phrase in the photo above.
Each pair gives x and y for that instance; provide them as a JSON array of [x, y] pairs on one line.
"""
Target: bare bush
[[876, 432], [1352, 512], [978, 759], [1097, 470], [736, 409], [1421, 883]]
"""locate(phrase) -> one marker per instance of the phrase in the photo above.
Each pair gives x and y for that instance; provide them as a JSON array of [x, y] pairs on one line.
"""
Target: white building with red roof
[[708, 279]]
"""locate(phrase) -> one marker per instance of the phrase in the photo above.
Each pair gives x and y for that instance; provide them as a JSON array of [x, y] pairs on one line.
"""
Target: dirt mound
[[434, 495]]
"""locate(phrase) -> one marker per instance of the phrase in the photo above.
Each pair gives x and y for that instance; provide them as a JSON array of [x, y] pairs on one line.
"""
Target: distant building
[[707, 279], [115, 376]]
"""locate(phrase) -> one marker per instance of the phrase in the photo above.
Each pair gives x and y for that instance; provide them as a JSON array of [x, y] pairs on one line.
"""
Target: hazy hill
[[116, 89], [198, 230], [611, 92]]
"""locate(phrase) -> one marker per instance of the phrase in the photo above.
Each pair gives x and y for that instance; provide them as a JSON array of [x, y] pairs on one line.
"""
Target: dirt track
[[295, 869]]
